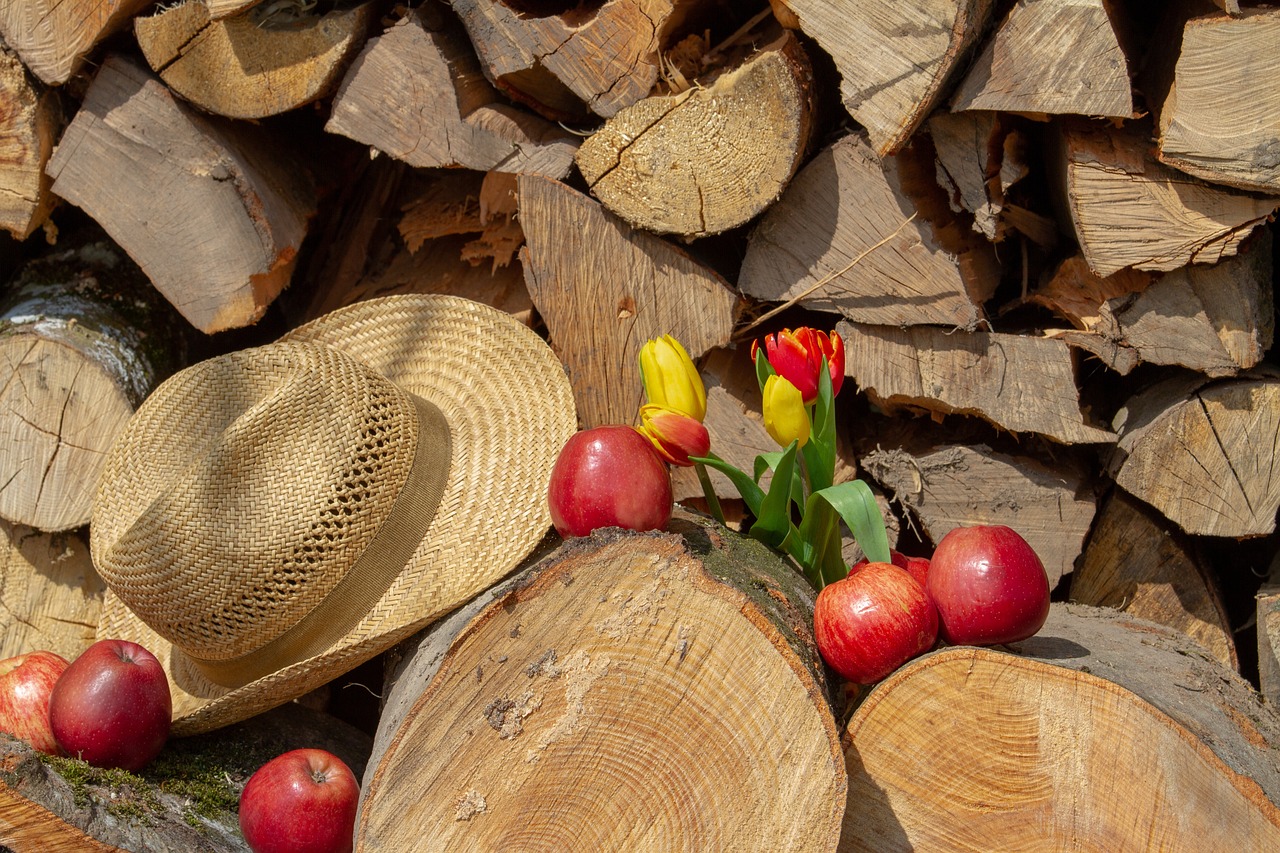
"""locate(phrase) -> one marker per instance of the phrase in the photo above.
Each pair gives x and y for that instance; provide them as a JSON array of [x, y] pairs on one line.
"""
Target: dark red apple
[[112, 706], [25, 684], [989, 586], [303, 800], [873, 621], [609, 476], [917, 567]]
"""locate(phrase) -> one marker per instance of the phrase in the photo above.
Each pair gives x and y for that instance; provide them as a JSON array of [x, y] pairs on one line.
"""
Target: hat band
[[370, 576]]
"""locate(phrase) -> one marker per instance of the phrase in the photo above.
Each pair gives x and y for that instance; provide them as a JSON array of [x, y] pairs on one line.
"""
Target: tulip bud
[[675, 435], [785, 417], [798, 357], [670, 378]]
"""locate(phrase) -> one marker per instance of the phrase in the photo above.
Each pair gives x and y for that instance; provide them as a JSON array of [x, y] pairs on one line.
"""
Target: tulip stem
[[713, 502]]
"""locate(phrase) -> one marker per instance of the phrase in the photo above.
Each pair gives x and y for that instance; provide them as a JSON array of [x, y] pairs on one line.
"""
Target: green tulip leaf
[[820, 530], [773, 522], [857, 506], [763, 368], [752, 494]]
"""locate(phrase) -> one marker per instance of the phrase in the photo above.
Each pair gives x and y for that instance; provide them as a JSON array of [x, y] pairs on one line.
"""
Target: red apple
[[873, 621], [25, 684], [989, 586], [303, 800], [112, 707], [609, 476], [917, 567]]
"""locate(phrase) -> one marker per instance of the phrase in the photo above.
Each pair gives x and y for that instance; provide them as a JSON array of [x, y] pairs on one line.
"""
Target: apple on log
[[301, 800], [609, 476], [1102, 732], [26, 682]]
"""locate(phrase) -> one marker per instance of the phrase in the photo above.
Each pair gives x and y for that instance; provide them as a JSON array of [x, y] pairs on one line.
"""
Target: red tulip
[[798, 356], [675, 435]]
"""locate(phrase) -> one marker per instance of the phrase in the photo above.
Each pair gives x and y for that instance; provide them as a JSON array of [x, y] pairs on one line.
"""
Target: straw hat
[[271, 518]]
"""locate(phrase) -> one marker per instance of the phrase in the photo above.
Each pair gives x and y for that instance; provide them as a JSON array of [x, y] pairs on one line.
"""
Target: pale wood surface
[[639, 691], [219, 9], [50, 593], [1221, 119], [245, 66], [214, 212], [30, 121], [711, 157], [842, 238], [596, 57], [895, 60], [1048, 57], [1202, 454], [1021, 383], [1136, 561], [1129, 210], [969, 148], [959, 486], [54, 37], [417, 92], [604, 289], [1103, 732]]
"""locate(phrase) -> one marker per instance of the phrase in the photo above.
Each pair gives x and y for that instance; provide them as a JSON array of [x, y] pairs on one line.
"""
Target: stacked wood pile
[[1044, 229]]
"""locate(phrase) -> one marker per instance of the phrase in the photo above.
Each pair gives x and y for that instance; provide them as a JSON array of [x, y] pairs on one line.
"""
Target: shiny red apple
[[303, 801], [112, 706], [609, 476], [873, 621], [989, 586], [917, 567], [26, 681]]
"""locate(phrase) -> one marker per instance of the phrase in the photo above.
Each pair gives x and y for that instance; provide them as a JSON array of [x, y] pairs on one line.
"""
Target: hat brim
[[510, 410]]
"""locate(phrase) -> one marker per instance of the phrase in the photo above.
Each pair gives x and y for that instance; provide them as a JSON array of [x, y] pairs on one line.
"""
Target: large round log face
[[626, 700]]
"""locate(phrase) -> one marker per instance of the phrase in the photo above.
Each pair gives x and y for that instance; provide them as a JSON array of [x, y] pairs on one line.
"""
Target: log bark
[[565, 61], [251, 66], [185, 801], [214, 212], [1051, 57], [30, 121], [50, 593], [891, 81], [958, 486], [1200, 452], [1138, 562], [55, 37], [1102, 732], [83, 339], [1021, 383], [843, 238], [752, 125], [1218, 121], [624, 662], [1268, 628], [597, 322], [418, 93], [1129, 210]]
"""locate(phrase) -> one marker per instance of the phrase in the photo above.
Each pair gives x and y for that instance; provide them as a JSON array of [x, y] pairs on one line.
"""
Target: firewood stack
[[1043, 228]]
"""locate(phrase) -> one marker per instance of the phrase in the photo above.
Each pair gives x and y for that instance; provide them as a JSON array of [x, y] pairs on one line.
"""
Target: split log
[[895, 60], [30, 121], [1201, 453], [1130, 210], [958, 486], [1103, 732], [185, 801], [1219, 120], [417, 92], [875, 241], [1138, 562], [969, 148], [1051, 57], [604, 288], [564, 60], [1020, 383], [213, 211], [251, 66], [84, 338], [752, 125], [54, 37], [50, 593], [1268, 629], [672, 675], [1214, 319]]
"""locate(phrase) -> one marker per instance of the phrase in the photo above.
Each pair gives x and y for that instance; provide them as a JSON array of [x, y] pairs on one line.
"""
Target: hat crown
[[245, 488]]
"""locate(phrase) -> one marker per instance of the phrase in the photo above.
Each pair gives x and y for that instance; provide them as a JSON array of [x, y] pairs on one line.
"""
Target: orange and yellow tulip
[[798, 356]]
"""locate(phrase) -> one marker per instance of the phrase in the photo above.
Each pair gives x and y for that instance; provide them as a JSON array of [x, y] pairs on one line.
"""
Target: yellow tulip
[[670, 378], [784, 414]]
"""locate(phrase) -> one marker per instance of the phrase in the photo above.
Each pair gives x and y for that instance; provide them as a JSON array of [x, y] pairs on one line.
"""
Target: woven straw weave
[[509, 409]]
